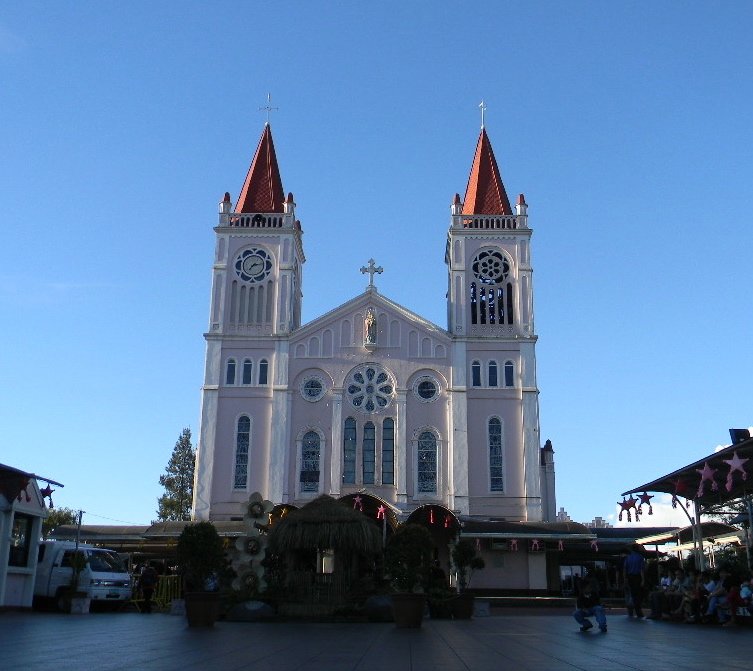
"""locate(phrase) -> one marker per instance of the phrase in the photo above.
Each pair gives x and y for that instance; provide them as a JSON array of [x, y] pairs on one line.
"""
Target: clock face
[[253, 265]]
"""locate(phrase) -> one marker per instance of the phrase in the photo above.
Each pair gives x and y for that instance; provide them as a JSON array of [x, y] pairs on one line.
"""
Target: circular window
[[253, 265], [491, 267], [312, 389], [369, 388], [426, 388]]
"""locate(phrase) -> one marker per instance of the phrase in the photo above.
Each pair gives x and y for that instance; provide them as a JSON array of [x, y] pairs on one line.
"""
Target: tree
[[58, 517], [176, 502]]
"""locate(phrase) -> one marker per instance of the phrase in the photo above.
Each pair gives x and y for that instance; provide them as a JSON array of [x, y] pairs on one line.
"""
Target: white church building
[[372, 399]]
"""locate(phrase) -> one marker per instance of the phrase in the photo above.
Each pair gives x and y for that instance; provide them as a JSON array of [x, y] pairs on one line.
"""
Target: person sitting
[[717, 598], [588, 604]]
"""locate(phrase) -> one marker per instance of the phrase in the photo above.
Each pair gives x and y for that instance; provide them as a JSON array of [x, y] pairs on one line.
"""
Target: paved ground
[[513, 641]]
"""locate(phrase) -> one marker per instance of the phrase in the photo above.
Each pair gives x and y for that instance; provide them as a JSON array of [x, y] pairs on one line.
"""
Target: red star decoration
[[381, 513], [645, 500], [358, 502]]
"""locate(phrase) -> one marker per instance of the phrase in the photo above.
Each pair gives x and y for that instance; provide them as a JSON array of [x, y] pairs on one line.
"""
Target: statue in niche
[[370, 328]]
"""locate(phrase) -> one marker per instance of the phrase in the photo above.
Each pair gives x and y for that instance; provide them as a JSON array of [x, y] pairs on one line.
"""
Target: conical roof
[[485, 193], [262, 191]]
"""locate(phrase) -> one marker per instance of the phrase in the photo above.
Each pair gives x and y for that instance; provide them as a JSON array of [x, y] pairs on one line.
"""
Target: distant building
[[562, 516], [599, 523]]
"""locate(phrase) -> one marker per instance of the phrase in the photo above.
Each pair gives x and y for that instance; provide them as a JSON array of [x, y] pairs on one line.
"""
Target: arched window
[[246, 377], [349, 452], [310, 450], [496, 481], [476, 374], [509, 374], [388, 451], [230, 373], [492, 374], [242, 441], [427, 463], [369, 453], [263, 371]]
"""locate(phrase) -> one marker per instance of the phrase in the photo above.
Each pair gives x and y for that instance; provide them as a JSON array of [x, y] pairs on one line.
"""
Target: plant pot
[[408, 609], [202, 608], [462, 606]]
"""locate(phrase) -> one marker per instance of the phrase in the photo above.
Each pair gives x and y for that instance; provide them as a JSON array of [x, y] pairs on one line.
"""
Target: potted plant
[[465, 560], [407, 563], [201, 557]]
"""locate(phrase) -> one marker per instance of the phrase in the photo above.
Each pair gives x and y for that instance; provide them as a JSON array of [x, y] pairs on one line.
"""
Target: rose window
[[370, 388], [490, 267]]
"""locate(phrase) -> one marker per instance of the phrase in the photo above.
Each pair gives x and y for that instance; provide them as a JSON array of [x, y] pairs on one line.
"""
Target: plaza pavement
[[514, 640]]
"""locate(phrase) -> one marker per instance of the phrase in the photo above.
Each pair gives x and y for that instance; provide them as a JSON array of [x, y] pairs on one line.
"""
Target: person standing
[[634, 574], [147, 584]]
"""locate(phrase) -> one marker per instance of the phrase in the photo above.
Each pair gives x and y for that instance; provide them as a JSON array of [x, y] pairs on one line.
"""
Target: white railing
[[488, 222]]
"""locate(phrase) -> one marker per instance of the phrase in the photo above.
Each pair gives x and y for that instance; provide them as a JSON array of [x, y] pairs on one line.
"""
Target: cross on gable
[[372, 269]]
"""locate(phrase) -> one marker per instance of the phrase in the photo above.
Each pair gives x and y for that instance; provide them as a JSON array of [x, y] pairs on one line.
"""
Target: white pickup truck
[[104, 578]]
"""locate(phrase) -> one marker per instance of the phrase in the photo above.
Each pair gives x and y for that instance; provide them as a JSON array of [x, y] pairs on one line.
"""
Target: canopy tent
[[710, 482]]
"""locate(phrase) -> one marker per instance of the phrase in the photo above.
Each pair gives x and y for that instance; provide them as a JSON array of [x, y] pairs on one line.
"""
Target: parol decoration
[[381, 513], [358, 502], [626, 505], [645, 500], [47, 494], [707, 475], [735, 465], [251, 549], [535, 545], [681, 489], [513, 545], [595, 545]]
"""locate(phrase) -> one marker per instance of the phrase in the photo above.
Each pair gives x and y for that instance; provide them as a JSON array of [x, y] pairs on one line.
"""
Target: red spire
[[262, 190], [485, 193]]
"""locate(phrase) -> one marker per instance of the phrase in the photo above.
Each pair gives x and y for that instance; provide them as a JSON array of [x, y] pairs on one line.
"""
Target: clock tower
[[255, 305]]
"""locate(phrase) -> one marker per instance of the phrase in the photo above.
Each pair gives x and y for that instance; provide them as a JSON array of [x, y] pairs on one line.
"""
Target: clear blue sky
[[627, 126]]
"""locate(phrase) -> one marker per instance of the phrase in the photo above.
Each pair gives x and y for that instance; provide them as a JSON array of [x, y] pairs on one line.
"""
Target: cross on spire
[[372, 269], [482, 107], [268, 107]]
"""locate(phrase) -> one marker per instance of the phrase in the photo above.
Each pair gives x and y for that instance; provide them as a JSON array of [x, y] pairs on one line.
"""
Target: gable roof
[[369, 298], [262, 190], [485, 193]]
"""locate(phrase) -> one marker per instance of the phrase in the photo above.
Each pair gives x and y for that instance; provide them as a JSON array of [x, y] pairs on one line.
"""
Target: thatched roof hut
[[326, 524]]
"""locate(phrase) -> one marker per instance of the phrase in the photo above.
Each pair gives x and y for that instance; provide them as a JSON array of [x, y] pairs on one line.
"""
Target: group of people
[[688, 597], [702, 597]]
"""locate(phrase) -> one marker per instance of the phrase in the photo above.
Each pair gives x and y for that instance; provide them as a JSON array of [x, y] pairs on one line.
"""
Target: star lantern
[[47, 494], [535, 545], [626, 505], [707, 475], [381, 513], [358, 502], [595, 545], [514, 545], [645, 500], [735, 465], [681, 489]]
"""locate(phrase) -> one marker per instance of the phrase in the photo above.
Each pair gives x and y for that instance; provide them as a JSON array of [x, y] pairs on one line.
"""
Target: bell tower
[[490, 316], [255, 306]]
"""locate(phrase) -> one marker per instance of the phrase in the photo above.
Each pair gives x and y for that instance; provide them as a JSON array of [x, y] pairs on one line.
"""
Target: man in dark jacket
[[588, 605]]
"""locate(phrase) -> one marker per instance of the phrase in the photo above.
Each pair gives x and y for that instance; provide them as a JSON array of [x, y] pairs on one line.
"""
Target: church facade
[[371, 398]]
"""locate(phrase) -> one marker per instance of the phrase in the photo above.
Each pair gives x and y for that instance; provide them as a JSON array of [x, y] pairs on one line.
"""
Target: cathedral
[[371, 399]]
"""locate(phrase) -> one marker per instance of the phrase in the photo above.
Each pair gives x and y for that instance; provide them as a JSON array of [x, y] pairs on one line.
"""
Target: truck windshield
[[105, 562]]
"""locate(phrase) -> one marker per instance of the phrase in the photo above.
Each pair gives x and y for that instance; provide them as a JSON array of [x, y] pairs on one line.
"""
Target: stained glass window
[[427, 463]]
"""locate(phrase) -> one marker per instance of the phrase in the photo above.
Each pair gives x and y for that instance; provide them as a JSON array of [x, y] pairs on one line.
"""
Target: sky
[[627, 125]]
